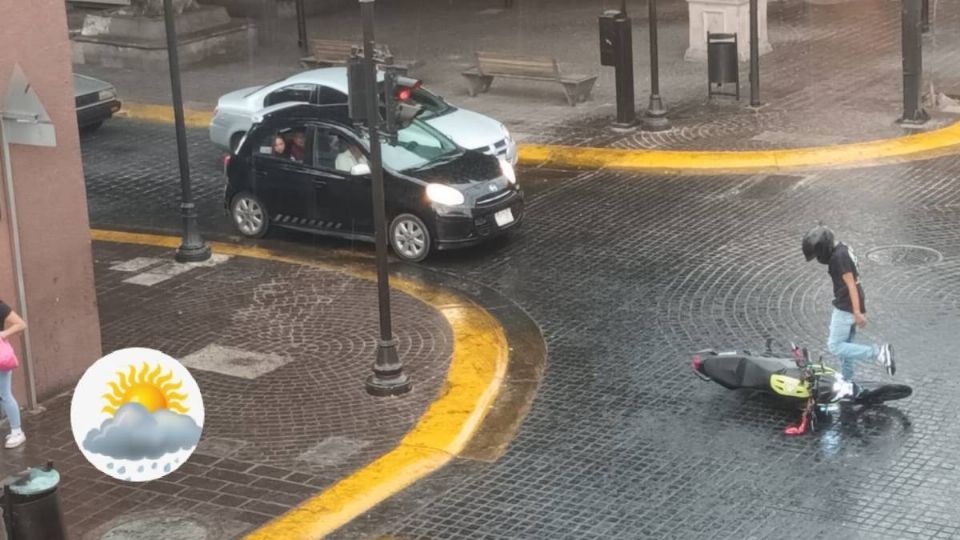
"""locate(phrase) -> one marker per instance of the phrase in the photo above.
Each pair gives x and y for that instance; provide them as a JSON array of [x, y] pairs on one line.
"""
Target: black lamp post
[[388, 378], [192, 247], [754, 54], [655, 119], [911, 13]]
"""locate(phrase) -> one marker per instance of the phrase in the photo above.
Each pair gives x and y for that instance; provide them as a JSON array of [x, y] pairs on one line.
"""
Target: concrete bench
[[333, 52], [535, 68]]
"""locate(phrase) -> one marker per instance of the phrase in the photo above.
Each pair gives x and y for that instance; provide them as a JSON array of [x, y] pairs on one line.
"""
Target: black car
[[305, 167]]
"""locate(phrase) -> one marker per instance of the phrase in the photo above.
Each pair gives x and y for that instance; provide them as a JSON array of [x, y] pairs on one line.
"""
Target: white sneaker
[[14, 441], [885, 358]]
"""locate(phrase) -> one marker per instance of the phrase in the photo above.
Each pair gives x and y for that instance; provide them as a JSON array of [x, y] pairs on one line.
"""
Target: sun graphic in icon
[[137, 414], [152, 389]]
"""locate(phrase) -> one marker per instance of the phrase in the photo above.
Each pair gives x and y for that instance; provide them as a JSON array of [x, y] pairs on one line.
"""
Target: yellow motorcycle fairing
[[788, 386]]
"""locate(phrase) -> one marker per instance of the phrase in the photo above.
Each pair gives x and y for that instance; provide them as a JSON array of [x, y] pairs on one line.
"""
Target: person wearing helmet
[[849, 303]]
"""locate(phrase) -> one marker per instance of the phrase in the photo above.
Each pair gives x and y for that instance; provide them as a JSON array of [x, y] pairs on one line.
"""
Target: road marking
[[158, 274], [137, 264], [233, 361]]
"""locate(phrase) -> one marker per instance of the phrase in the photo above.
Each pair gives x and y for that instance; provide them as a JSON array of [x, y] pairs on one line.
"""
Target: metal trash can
[[723, 64], [31, 506]]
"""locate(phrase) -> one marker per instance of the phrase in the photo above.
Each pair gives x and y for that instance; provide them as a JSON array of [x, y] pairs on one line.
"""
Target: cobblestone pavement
[[628, 275], [834, 74], [280, 352]]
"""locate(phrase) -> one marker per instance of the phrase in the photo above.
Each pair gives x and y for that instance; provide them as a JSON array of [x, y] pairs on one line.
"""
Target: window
[[329, 96], [417, 146], [334, 151], [433, 105], [286, 144], [296, 92]]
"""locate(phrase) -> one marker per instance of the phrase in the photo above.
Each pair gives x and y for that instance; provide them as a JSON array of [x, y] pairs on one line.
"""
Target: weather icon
[[137, 414]]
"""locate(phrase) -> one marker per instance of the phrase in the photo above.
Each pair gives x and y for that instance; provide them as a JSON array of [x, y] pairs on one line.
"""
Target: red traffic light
[[404, 94]]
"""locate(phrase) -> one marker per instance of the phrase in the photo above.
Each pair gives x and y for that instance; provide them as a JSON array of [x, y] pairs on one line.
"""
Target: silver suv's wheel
[[249, 215], [410, 238]]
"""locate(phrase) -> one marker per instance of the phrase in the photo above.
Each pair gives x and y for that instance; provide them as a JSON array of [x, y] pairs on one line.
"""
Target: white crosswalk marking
[[160, 270]]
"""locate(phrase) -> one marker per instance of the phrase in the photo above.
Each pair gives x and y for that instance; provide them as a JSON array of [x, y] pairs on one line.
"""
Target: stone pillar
[[724, 16], [51, 208]]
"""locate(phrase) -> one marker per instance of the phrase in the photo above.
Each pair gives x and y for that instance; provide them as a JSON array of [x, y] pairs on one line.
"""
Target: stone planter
[[128, 41], [724, 16]]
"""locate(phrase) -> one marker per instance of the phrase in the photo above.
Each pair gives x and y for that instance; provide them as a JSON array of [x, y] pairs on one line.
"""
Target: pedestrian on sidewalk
[[849, 306], [12, 325]]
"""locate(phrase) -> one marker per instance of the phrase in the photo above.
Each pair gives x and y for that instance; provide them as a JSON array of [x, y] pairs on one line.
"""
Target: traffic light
[[400, 110], [356, 88]]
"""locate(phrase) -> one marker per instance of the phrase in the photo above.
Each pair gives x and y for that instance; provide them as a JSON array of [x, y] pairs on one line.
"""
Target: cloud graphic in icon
[[135, 433]]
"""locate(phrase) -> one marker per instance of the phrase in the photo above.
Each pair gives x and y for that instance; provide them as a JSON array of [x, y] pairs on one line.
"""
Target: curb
[[474, 379], [919, 146]]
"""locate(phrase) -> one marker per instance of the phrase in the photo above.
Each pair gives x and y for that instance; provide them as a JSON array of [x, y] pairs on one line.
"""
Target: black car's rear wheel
[[249, 215], [410, 238]]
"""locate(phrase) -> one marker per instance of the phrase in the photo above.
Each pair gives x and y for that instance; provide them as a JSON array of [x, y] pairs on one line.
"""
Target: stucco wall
[[51, 206]]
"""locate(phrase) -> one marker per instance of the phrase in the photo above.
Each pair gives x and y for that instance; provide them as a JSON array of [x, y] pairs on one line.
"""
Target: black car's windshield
[[418, 145]]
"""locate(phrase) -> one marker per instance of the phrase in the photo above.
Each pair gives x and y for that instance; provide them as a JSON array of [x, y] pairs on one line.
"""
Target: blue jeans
[[840, 343], [10, 406]]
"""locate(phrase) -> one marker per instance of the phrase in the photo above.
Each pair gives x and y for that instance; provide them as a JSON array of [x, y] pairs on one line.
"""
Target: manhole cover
[[904, 255]]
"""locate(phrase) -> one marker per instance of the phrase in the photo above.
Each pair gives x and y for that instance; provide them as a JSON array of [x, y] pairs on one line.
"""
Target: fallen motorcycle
[[811, 385]]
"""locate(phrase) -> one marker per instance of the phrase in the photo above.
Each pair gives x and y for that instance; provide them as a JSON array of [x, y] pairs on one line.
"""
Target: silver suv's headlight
[[104, 95], [507, 169], [443, 194]]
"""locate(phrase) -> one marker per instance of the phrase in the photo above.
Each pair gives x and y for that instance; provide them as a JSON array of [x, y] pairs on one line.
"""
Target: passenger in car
[[349, 156], [280, 147], [298, 146]]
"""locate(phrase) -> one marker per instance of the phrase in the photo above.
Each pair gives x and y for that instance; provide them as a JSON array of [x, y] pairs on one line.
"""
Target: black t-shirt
[[4, 312], [841, 262]]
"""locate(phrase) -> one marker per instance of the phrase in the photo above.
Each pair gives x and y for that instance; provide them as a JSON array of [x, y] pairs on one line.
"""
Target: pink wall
[[51, 206]]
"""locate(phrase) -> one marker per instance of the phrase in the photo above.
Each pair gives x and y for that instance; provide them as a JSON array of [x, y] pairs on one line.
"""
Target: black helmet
[[818, 242]]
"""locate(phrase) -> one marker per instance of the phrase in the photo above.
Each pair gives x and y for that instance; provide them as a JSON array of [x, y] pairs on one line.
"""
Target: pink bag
[[8, 359]]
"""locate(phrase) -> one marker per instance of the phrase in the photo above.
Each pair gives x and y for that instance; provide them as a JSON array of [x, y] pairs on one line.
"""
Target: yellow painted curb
[[163, 114], [478, 367], [919, 146]]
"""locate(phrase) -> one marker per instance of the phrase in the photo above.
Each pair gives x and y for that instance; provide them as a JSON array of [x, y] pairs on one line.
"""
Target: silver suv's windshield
[[417, 146]]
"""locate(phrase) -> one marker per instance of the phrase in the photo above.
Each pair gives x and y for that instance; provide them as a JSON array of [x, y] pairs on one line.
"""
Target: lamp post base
[[655, 119], [388, 378], [624, 127], [918, 120], [195, 253]]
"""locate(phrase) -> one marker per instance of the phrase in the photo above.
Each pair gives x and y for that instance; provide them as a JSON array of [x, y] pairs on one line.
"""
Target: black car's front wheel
[[410, 238], [249, 215]]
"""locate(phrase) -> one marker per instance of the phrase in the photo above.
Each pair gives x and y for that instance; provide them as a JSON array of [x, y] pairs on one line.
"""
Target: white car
[[328, 86]]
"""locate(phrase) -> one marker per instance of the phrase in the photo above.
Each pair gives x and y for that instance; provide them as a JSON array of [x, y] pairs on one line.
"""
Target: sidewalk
[[833, 77], [280, 352]]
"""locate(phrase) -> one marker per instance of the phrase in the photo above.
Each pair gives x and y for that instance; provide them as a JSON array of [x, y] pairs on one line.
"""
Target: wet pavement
[[280, 352], [834, 75], [627, 275]]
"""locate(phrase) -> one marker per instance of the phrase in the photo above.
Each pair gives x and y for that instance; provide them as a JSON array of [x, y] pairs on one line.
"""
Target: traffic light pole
[[388, 378], [192, 247]]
